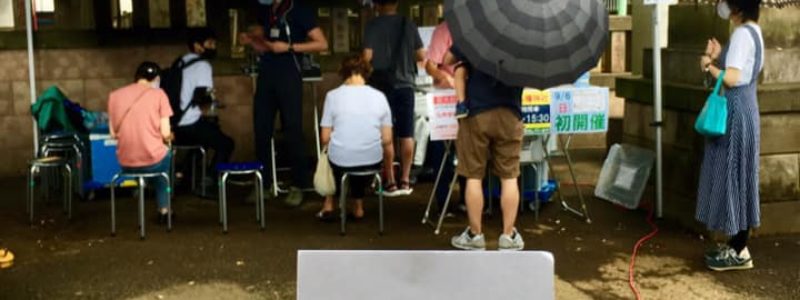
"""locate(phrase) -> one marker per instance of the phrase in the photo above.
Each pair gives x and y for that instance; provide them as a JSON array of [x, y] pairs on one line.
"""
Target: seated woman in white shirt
[[357, 129]]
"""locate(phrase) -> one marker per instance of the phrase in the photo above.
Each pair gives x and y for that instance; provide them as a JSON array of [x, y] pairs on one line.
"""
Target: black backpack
[[172, 83]]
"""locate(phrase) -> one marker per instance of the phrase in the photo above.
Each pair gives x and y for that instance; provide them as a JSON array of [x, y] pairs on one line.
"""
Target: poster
[[442, 115], [536, 112], [579, 110]]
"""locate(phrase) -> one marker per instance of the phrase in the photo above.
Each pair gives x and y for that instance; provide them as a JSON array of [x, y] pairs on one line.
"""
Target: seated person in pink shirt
[[139, 120]]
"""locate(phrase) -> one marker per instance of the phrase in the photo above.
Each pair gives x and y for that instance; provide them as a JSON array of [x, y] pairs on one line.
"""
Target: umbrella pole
[[31, 70], [657, 118]]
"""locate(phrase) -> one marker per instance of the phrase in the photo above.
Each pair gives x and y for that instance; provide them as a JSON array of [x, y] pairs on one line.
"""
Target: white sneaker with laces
[[511, 242], [467, 241]]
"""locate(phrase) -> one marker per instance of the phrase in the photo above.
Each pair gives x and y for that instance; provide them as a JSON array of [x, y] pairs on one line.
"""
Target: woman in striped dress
[[728, 190]]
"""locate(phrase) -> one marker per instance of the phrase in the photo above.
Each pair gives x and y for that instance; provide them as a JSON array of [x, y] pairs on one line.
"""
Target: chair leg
[[260, 195], [169, 201], [221, 195], [343, 204], [113, 207], [380, 205], [224, 203], [31, 191], [203, 161], [194, 172], [69, 191], [141, 208]]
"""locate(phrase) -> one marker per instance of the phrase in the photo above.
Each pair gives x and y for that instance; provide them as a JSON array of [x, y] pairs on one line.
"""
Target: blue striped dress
[[728, 199]]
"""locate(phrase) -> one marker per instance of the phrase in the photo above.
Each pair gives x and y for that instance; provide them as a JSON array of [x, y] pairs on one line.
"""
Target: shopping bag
[[713, 119], [324, 183]]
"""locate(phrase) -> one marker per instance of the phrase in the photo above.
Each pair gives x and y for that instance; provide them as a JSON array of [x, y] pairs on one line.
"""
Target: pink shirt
[[441, 41], [139, 140]]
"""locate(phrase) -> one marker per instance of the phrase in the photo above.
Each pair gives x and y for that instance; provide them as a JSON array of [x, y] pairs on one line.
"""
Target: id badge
[[274, 33]]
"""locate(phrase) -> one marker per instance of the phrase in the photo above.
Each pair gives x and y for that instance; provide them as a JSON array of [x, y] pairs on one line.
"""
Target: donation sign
[[536, 112], [442, 115], [579, 110]]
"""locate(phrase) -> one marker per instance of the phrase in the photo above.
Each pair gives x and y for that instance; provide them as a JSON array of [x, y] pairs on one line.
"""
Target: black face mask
[[209, 54]]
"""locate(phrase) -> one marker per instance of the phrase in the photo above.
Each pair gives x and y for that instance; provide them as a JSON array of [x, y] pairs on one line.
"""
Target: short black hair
[[147, 70], [750, 9], [199, 36]]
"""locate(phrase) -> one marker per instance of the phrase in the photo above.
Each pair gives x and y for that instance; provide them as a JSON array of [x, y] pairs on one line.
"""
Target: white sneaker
[[511, 242], [466, 241]]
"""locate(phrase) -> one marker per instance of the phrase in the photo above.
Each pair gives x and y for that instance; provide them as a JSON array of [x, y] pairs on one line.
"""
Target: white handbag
[[324, 183]]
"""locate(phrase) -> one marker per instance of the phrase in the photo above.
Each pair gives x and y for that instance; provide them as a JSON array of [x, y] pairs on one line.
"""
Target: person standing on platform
[[289, 30]]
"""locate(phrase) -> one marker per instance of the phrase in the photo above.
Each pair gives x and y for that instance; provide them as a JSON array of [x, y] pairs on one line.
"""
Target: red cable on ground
[[631, 281]]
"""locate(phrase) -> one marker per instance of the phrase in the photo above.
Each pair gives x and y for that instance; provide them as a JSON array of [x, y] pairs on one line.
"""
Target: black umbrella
[[530, 43]]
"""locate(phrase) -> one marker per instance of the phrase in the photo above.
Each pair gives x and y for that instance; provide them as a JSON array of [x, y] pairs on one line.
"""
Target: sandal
[[326, 216], [6, 258], [405, 188]]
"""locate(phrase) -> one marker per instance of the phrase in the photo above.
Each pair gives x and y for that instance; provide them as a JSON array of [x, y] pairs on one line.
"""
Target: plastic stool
[[140, 177], [343, 197], [50, 162], [225, 170]]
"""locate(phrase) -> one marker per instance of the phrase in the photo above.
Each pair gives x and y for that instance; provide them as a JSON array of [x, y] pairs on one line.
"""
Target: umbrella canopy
[[530, 43]]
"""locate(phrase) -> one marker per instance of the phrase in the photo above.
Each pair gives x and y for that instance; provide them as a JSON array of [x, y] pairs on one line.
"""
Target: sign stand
[[583, 212], [426, 218]]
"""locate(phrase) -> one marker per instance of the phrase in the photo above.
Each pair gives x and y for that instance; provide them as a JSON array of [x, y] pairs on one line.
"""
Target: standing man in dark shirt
[[393, 45], [493, 129], [290, 29]]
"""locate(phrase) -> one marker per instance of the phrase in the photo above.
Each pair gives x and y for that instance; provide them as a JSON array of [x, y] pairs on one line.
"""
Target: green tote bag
[[713, 119]]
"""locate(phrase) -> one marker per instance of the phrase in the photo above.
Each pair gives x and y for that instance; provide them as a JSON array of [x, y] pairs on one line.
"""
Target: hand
[[245, 39], [449, 82], [705, 61], [713, 49], [169, 138], [279, 47]]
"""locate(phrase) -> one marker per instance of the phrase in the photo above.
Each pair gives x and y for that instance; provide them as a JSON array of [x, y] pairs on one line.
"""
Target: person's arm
[[461, 83], [166, 130], [732, 75], [440, 77], [325, 136], [165, 112]]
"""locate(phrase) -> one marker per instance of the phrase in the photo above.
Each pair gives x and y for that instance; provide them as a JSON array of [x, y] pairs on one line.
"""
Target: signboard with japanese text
[[536, 112], [579, 110], [442, 115]]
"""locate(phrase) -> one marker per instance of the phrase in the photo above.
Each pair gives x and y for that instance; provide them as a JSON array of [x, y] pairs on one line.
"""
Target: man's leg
[[509, 200], [210, 135], [290, 103], [406, 158], [474, 197], [402, 102], [264, 110]]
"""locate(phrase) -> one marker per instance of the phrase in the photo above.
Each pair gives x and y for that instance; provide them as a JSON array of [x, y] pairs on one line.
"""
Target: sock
[[739, 241]]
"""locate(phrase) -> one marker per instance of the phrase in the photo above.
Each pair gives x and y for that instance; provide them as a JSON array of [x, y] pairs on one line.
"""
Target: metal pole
[[31, 71], [657, 121]]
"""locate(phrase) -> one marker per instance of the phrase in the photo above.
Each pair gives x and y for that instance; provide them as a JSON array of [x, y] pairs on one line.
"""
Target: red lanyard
[[275, 14]]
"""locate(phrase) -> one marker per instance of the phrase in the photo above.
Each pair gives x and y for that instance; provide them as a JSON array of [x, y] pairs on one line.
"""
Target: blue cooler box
[[104, 161]]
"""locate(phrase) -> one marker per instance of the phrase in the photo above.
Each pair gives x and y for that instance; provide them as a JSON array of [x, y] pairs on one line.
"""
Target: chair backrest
[[355, 275]]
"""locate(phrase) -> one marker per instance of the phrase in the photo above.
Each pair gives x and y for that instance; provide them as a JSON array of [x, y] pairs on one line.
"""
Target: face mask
[[209, 54], [156, 84], [723, 10]]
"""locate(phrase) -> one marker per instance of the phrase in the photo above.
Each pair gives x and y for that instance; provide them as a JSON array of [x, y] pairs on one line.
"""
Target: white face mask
[[156, 84], [723, 10]]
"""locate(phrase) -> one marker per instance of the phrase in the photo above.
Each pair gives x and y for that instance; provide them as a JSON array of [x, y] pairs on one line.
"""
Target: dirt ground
[[57, 259]]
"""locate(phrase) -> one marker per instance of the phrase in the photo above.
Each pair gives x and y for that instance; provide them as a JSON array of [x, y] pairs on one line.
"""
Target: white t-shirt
[[356, 114], [197, 75], [742, 53]]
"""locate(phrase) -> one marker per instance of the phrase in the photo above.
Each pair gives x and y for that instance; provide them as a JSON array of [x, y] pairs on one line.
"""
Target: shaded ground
[[59, 259]]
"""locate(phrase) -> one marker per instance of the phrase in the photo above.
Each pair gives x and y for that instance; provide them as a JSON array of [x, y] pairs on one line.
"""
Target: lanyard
[[283, 7]]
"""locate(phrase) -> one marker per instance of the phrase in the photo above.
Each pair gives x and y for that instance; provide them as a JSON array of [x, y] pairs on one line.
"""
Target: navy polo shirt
[[484, 92], [293, 15]]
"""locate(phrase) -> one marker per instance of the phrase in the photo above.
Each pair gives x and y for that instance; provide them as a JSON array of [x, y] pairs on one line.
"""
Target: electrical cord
[[652, 234]]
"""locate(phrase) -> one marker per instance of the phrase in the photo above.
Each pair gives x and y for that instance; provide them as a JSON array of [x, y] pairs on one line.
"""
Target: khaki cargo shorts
[[495, 134]]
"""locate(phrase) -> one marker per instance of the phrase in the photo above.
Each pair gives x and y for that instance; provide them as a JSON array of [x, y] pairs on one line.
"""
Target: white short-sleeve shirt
[[742, 52], [356, 114], [197, 75]]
